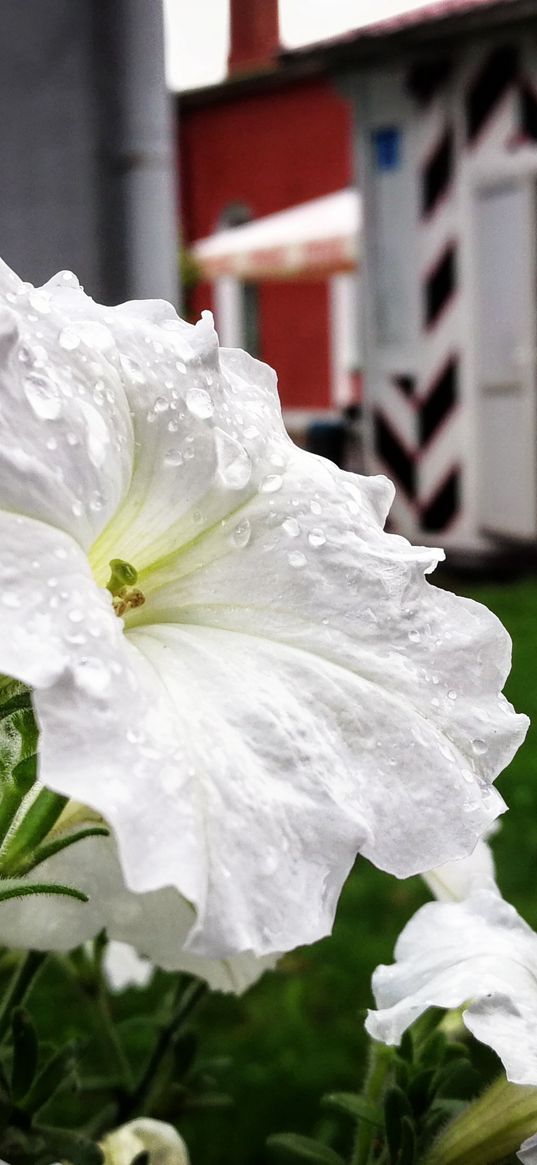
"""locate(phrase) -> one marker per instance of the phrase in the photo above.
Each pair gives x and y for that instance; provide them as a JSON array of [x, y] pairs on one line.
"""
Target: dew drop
[[199, 403], [132, 369], [77, 508], [271, 484], [296, 559], [76, 615], [316, 507], [68, 339], [479, 746], [241, 534], [96, 501], [233, 460], [452, 695], [317, 537], [92, 675], [68, 277], [251, 432], [161, 405], [173, 457], [414, 636], [43, 397], [291, 527], [39, 301]]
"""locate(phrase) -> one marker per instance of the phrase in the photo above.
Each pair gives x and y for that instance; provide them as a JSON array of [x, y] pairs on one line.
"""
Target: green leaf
[[24, 774], [459, 1081], [407, 1151], [25, 1052], [420, 1089], [396, 1107], [432, 1050], [406, 1048], [292, 1148], [58, 1071], [354, 1106]]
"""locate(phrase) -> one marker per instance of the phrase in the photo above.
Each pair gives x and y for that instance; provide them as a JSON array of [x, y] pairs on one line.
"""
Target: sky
[[197, 31]]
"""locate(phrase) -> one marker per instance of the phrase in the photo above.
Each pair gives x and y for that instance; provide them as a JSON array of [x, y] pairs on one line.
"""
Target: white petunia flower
[[274, 685], [144, 1135], [528, 1151], [480, 951]]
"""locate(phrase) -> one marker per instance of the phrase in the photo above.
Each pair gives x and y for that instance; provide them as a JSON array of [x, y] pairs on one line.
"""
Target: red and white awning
[[313, 239]]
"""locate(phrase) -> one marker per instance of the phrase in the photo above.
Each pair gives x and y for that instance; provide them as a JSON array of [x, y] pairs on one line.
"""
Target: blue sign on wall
[[387, 147]]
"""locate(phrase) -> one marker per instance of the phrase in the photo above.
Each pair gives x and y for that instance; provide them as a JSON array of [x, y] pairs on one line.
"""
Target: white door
[[506, 319]]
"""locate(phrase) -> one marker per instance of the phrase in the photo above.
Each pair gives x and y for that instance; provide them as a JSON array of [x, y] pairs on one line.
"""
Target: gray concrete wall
[[79, 187]]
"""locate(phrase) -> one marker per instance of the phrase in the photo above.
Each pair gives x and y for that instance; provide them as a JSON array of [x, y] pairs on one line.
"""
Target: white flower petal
[[456, 880], [528, 1151], [479, 950], [124, 967], [274, 704], [144, 1134], [156, 925]]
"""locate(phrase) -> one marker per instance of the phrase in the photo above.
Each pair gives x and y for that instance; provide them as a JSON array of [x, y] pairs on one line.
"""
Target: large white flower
[[478, 951], [281, 687]]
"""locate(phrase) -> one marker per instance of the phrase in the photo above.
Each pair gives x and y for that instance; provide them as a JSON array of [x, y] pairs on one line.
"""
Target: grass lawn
[[298, 1033]]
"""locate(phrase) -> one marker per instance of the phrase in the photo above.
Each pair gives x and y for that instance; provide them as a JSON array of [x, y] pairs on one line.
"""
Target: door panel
[[506, 357]]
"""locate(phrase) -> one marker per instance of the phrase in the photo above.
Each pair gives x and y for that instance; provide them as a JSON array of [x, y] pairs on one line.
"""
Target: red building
[[275, 134]]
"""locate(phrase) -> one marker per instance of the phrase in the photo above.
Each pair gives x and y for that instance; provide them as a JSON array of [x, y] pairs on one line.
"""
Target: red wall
[[270, 151]]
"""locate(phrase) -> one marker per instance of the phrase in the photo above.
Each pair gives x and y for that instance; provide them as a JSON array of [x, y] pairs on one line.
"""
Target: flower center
[[125, 596]]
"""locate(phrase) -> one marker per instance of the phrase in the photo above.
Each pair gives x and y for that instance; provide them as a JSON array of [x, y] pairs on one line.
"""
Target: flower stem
[[19, 987], [380, 1058]]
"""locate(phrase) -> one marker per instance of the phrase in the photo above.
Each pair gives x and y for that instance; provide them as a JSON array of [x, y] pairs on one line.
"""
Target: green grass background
[[298, 1033]]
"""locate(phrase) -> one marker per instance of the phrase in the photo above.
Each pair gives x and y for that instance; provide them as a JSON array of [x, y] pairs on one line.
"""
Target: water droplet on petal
[[241, 534], [479, 746], [39, 301], [76, 615], [414, 636], [296, 559], [95, 334], [233, 460], [199, 403], [68, 339], [271, 484], [173, 457], [132, 369], [161, 405], [92, 675], [452, 695], [43, 397], [316, 507], [251, 432], [97, 434], [317, 537], [77, 508], [291, 527]]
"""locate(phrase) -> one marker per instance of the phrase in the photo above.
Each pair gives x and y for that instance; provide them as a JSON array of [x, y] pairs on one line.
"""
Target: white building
[[446, 117]]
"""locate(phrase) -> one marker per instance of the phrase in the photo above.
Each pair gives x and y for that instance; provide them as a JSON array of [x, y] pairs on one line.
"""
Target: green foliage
[[87, 1060]]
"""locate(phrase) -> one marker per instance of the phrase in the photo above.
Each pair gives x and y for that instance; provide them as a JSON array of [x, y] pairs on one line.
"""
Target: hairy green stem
[[380, 1058]]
